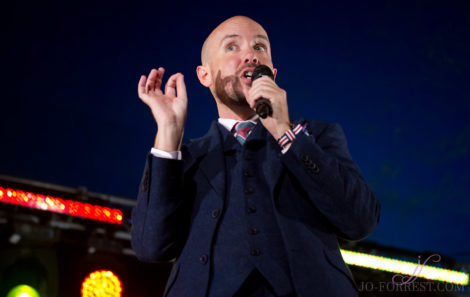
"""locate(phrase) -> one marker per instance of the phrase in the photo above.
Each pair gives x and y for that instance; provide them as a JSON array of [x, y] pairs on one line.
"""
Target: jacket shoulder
[[317, 127]]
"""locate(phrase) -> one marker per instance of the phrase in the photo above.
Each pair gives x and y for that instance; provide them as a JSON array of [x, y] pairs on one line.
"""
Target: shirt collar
[[229, 123]]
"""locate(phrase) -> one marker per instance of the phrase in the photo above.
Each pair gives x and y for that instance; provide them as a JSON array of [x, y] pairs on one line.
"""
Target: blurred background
[[394, 74]]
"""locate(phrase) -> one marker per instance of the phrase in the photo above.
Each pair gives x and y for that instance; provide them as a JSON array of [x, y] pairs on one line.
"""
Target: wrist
[[286, 140], [280, 130], [168, 139]]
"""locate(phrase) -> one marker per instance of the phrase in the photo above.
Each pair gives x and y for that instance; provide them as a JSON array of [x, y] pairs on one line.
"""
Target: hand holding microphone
[[269, 101], [263, 107]]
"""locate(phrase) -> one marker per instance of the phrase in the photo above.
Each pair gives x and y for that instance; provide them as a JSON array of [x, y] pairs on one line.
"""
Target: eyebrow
[[236, 35]]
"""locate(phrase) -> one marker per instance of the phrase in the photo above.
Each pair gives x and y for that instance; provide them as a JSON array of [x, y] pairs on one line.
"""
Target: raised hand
[[169, 108]]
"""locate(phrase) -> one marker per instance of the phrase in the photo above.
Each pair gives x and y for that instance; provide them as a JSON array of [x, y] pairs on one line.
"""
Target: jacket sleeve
[[333, 182], [159, 220]]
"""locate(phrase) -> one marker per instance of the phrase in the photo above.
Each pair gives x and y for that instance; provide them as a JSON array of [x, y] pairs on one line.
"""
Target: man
[[257, 214]]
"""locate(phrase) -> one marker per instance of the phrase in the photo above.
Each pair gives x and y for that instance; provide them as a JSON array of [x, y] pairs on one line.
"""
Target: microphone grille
[[260, 71]]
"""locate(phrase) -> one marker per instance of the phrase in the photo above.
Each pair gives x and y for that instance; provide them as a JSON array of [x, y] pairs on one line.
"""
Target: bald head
[[229, 25], [230, 52]]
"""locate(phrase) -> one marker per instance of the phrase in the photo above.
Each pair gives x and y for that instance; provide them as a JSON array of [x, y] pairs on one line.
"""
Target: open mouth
[[246, 75]]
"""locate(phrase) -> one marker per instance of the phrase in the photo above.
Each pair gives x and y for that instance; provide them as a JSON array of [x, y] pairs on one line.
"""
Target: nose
[[251, 57]]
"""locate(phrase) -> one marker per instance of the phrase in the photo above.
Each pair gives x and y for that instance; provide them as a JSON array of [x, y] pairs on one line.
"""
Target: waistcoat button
[[255, 252], [253, 231], [203, 259], [247, 173], [215, 213], [251, 210], [249, 190]]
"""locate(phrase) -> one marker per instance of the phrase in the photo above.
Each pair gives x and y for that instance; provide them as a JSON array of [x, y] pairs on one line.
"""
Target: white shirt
[[226, 123]]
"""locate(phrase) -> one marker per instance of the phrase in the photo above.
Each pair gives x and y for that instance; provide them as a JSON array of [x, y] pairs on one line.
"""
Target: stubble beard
[[228, 90]]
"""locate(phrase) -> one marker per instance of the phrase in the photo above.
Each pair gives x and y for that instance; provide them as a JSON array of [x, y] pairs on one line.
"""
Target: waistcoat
[[248, 236]]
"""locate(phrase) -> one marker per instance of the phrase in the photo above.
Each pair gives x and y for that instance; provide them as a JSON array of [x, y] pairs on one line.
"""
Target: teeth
[[248, 74]]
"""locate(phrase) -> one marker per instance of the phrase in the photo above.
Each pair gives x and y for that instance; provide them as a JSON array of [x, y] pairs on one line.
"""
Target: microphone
[[262, 106]]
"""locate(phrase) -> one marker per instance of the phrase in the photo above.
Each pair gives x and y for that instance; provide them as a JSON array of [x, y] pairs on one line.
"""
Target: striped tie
[[242, 130]]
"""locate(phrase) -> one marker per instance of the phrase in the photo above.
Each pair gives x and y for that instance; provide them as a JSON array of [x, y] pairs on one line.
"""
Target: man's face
[[236, 48]]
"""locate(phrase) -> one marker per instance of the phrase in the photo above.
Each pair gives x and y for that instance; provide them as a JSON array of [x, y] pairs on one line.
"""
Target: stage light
[[27, 272], [23, 291], [54, 204], [404, 267], [101, 283]]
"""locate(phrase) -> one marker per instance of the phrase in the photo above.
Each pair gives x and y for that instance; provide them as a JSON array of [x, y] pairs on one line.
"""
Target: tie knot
[[242, 129]]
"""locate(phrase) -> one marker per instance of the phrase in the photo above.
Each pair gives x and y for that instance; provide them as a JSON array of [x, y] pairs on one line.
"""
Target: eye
[[260, 47], [231, 47]]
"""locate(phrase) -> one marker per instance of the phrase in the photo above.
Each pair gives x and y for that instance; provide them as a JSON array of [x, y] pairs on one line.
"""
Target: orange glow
[[54, 204], [101, 283]]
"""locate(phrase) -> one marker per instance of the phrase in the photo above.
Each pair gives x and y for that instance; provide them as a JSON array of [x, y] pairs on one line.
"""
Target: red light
[[54, 204], [101, 283]]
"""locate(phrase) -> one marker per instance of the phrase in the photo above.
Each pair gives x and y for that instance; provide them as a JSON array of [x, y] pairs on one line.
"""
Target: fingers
[[259, 89], [265, 87], [141, 85], [158, 80], [175, 84], [153, 82], [181, 87], [264, 83]]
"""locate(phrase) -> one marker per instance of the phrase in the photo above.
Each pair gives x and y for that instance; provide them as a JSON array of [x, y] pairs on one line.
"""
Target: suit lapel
[[208, 150], [271, 166]]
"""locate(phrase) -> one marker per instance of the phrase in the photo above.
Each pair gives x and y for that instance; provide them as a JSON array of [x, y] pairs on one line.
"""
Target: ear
[[204, 75], [274, 73]]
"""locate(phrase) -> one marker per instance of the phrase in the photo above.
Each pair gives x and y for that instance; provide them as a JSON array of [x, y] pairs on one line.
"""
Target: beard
[[228, 90]]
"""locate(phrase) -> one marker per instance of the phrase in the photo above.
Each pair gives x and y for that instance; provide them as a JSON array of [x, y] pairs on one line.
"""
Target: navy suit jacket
[[318, 195]]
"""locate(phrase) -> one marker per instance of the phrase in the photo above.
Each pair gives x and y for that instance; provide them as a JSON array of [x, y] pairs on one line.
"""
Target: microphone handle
[[263, 108]]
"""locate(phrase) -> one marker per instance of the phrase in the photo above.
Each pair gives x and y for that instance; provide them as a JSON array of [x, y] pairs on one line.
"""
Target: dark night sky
[[394, 74]]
